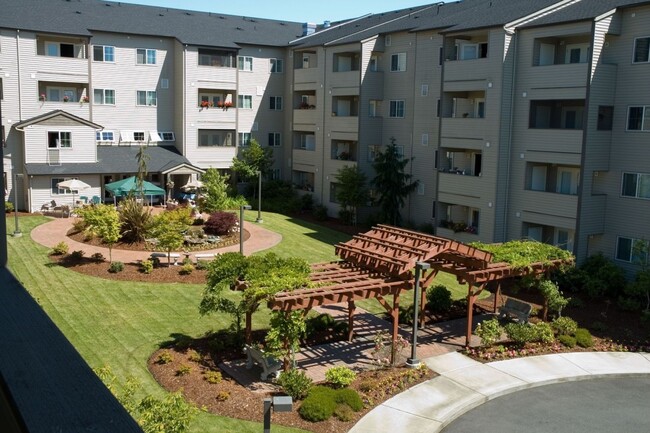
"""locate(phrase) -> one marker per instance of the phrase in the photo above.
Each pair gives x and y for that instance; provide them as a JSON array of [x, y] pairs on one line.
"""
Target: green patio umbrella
[[122, 188]]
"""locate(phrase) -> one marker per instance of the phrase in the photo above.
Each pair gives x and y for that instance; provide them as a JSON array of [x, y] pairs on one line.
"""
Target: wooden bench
[[174, 256], [205, 256], [269, 364], [514, 307]]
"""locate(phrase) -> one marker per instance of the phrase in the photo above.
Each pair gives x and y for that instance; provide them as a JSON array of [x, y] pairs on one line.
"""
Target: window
[[59, 139], [433, 210], [275, 103], [105, 136], [245, 63], [55, 190], [635, 185], [245, 101], [334, 188], [638, 118], [146, 98], [61, 94], [398, 62], [138, 135], [399, 149], [374, 108], [420, 188], [275, 139], [145, 56], [641, 50], [215, 137], [167, 136], [605, 117], [65, 49], [244, 139], [1, 90], [277, 66], [387, 40], [424, 90], [396, 109], [373, 152], [103, 53], [164, 83], [216, 58], [473, 51], [104, 97], [425, 140], [631, 250], [2, 137], [307, 142], [276, 174]]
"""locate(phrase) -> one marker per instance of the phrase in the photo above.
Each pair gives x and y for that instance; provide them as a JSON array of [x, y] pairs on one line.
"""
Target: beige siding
[[40, 188], [83, 144]]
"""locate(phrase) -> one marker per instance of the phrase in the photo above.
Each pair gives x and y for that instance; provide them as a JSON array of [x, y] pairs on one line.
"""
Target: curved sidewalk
[[464, 384], [53, 232]]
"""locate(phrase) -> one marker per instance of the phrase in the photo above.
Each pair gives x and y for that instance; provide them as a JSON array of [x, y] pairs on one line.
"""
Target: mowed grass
[[122, 323]]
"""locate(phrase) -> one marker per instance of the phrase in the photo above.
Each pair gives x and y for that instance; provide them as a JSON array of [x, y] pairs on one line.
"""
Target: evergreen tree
[[392, 183], [351, 192]]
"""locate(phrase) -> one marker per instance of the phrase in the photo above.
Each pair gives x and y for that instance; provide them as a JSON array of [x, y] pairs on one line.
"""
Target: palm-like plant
[[136, 220]]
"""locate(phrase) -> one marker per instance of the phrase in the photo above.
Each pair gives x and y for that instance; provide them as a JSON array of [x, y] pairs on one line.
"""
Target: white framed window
[[245, 63], [107, 136], [398, 62], [164, 83], [245, 101], [61, 94], [420, 188], [638, 118], [138, 135], [65, 49], [396, 109], [641, 50], [104, 53], [145, 56], [400, 151], [373, 65], [635, 185], [631, 250], [425, 140], [104, 97], [424, 90], [146, 98], [276, 174], [373, 151], [59, 139], [215, 137], [167, 136], [277, 66], [275, 139], [275, 103], [374, 108], [388, 40], [54, 188], [245, 139]]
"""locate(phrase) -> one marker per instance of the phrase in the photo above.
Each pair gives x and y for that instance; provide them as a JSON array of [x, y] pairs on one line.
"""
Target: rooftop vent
[[308, 29], [326, 24]]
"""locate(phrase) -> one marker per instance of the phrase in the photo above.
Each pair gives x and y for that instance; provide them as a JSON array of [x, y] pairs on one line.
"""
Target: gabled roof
[[81, 17], [583, 10], [42, 117], [119, 159]]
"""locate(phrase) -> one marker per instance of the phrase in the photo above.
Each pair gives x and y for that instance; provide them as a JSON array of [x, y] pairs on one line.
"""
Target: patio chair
[[48, 206], [83, 199], [96, 199]]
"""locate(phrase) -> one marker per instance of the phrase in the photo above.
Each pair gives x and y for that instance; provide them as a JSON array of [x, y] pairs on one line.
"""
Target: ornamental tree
[[392, 183], [102, 221], [215, 191], [351, 191], [253, 160], [168, 228]]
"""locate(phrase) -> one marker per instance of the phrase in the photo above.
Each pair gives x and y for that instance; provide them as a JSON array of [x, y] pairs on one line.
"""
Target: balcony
[[304, 156], [305, 118], [569, 75], [469, 128], [219, 118], [305, 76], [550, 204], [559, 141], [467, 70], [464, 237], [344, 150], [344, 124], [458, 184]]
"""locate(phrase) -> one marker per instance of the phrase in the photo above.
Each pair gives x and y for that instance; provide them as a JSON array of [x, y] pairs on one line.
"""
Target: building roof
[[45, 116], [118, 159], [82, 17], [583, 10]]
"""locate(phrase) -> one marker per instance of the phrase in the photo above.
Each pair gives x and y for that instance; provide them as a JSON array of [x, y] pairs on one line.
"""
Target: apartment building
[[523, 118]]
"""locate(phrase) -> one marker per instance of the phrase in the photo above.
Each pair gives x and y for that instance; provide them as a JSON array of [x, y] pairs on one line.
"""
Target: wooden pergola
[[380, 263]]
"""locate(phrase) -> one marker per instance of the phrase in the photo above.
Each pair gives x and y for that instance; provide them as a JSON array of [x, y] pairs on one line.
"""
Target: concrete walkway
[[53, 232], [464, 384]]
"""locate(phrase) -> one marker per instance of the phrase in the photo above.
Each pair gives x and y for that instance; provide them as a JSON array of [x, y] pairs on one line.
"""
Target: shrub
[[320, 212], [439, 299], [198, 221], [405, 315], [319, 404], [60, 249], [521, 333], [295, 383], [79, 225], [116, 267], [135, 219], [306, 202], [165, 357], [194, 356], [349, 397], [183, 370], [603, 277], [567, 340], [367, 386], [220, 223], [319, 323], [77, 255], [564, 326], [9, 206], [98, 257], [213, 377], [223, 396], [146, 266], [344, 413], [584, 338], [489, 331], [544, 332], [628, 304], [346, 216], [186, 269], [340, 377]]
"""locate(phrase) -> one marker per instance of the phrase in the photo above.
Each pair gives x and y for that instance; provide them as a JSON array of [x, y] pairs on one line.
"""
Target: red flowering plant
[[206, 104], [43, 97]]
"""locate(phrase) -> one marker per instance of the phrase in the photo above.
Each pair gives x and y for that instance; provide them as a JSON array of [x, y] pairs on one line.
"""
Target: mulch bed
[[230, 399]]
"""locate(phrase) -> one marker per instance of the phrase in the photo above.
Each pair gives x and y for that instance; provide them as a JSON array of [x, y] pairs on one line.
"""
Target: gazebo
[[380, 263]]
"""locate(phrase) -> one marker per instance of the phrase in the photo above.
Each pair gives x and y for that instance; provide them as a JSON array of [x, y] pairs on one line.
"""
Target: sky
[[314, 11]]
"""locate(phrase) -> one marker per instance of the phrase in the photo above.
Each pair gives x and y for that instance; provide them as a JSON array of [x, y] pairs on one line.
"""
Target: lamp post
[[259, 197], [413, 361], [282, 403], [241, 227], [17, 233]]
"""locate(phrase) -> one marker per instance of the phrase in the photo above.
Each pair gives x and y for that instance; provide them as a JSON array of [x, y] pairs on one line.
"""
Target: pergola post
[[351, 308], [393, 354], [497, 293], [470, 313]]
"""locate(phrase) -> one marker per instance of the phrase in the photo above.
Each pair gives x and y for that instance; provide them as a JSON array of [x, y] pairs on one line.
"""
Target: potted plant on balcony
[[42, 97], [344, 156], [206, 104], [85, 99], [219, 104], [227, 105], [66, 98]]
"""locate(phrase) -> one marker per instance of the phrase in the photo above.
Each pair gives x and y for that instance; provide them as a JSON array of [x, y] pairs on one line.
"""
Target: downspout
[[322, 134], [20, 87], [440, 114], [510, 123], [415, 90]]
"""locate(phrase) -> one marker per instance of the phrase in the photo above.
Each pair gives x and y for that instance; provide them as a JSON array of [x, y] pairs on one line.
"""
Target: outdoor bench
[[205, 256], [174, 256], [514, 307], [269, 364]]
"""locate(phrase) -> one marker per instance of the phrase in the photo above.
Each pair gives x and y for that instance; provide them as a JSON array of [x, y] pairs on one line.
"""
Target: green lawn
[[121, 323]]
